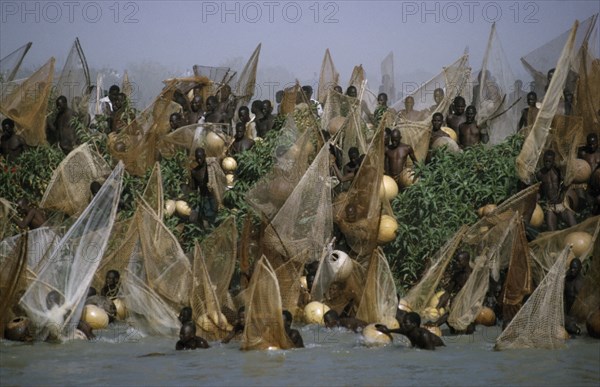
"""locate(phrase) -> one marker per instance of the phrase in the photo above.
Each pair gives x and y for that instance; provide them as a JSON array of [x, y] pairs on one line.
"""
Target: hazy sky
[[294, 34]]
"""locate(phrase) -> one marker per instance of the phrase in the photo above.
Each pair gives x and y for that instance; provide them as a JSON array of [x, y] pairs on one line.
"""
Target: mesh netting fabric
[[328, 78], [74, 81], [13, 265], [588, 298], [26, 104], [11, 63], [379, 301], [288, 276], [540, 322], [587, 95], [388, 80], [264, 327], [419, 295], [70, 266], [469, 299], [69, 188], [7, 211], [534, 143], [245, 81], [305, 220]]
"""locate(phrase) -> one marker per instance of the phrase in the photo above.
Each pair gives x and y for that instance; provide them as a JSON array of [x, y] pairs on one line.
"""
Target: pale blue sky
[[423, 35]]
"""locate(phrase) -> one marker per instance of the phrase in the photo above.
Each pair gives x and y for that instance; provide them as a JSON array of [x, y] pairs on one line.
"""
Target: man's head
[[196, 103], [395, 138], [550, 74], [459, 105], [353, 154], [287, 319], [54, 298], [592, 142], [411, 321], [185, 315], [240, 130], [331, 319], [244, 114], [175, 121], [531, 98], [8, 126], [200, 155], [574, 268], [308, 91], [256, 107], [338, 89], [112, 278], [382, 99], [267, 107], [225, 92], [438, 95], [211, 104], [549, 156], [351, 92], [436, 121], [409, 103], [61, 104], [470, 113]]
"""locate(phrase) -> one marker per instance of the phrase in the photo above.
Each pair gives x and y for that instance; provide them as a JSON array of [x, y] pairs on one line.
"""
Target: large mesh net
[[418, 296], [469, 300], [264, 327], [540, 322], [491, 92], [14, 263], [74, 81], [7, 211], [10, 64], [304, 222], [388, 81], [588, 298], [68, 270], [379, 301], [587, 96], [328, 78], [26, 104], [69, 188], [246, 81], [534, 143], [288, 276]]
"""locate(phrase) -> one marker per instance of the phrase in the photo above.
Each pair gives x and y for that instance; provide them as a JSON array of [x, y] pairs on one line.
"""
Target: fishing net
[[250, 249], [246, 81], [147, 312], [136, 144], [264, 327], [70, 266], [359, 219], [534, 143], [469, 299], [304, 222], [288, 101], [587, 96], [217, 75], [220, 252], [69, 188], [211, 324], [292, 156], [167, 269], [540, 322], [548, 245], [10, 64], [13, 267], [26, 104], [379, 301], [565, 137], [491, 92], [328, 78], [418, 296], [388, 82], [288, 277], [7, 211], [539, 61], [74, 81], [518, 283], [588, 298]]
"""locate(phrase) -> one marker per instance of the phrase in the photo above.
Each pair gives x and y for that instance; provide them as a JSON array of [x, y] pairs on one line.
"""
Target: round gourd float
[[229, 164], [230, 179], [537, 218], [581, 171], [17, 329], [96, 317], [580, 240], [450, 132], [170, 207], [372, 337], [341, 264], [404, 305], [486, 210], [486, 317], [387, 229], [391, 323], [314, 312], [335, 124], [407, 177], [214, 143], [592, 324], [389, 188], [451, 145], [183, 208], [121, 311]]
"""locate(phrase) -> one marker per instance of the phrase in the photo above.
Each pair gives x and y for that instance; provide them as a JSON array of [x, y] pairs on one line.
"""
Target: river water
[[120, 356]]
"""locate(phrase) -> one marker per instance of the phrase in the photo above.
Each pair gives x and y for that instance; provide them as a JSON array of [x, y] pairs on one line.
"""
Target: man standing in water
[[396, 155]]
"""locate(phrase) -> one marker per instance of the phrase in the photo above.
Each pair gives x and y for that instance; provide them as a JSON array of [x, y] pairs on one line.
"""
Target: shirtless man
[[591, 154], [67, 138], [226, 104], [551, 193], [266, 124], [33, 217], [408, 112], [396, 155], [419, 337], [111, 284], [241, 143], [436, 128], [573, 284], [195, 112], [175, 121], [529, 114], [244, 117], [188, 338], [457, 116], [11, 144], [199, 182], [333, 320], [293, 334], [213, 114], [382, 107], [238, 325], [469, 133]]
